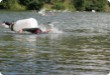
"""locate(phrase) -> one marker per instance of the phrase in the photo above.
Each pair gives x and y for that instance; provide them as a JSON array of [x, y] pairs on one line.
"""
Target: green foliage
[[4, 4], [11, 5], [32, 4], [80, 5], [97, 5], [69, 5], [25, 2], [17, 6], [61, 4], [58, 6]]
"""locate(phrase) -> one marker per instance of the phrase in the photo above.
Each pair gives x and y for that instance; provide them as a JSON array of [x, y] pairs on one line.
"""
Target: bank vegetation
[[70, 5]]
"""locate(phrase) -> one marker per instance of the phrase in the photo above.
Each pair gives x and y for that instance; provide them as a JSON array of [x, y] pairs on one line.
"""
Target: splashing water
[[42, 12], [108, 74], [1, 73], [52, 27], [0, 0]]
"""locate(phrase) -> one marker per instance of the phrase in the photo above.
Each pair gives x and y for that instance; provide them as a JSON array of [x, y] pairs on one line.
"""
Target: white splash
[[1, 73], [93, 11], [42, 12], [54, 29], [108, 74], [0, 0], [109, 0]]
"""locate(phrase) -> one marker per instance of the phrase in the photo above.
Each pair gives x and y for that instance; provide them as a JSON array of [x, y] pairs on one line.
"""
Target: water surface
[[82, 49]]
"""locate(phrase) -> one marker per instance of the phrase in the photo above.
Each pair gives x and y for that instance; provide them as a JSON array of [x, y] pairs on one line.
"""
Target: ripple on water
[[82, 49]]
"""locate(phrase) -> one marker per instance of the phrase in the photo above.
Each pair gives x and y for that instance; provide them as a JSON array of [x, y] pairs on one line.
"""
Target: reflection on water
[[74, 52]]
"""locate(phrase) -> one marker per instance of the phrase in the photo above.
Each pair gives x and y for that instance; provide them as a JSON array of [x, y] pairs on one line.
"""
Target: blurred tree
[[80, 5], [32, 4], [97, 5]]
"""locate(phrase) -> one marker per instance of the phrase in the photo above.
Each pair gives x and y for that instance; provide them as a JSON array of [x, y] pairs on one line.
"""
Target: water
[[82, 49]]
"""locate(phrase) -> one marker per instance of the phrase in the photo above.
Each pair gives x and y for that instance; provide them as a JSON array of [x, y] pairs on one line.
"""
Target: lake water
[[82, 49]]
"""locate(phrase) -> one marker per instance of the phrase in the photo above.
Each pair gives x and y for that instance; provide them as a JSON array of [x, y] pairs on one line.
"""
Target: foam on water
[[52, 27], [55, 30], [109, 74], [42, 12], [0, 0]]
